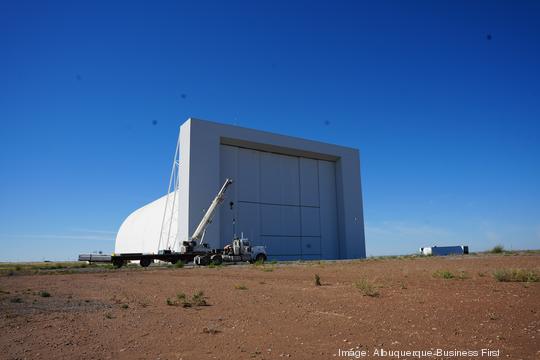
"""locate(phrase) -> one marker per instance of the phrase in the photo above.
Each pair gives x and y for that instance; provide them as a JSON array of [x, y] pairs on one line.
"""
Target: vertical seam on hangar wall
[[259, 210], [338, 237], [236, 208], [299, 160], [320, 203]]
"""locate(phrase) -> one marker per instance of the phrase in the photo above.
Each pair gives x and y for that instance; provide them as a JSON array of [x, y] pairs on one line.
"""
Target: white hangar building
[[302, 199]]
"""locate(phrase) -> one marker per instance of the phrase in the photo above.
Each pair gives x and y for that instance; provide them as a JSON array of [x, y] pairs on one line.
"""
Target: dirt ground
[[274, 311]]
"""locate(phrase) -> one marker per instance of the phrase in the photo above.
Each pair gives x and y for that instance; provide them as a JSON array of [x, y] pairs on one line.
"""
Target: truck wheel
[[145, 262], [216, 259], [201, 260], [260, 258]]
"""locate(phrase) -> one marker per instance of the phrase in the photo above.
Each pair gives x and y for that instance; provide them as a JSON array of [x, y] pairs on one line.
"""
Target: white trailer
[[444, 250]]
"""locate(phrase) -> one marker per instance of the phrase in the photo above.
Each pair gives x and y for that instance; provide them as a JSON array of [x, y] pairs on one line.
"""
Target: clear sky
[[441, 97]]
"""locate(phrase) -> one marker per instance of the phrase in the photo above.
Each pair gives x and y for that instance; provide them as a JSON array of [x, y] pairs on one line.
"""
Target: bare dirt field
[[274, 311]]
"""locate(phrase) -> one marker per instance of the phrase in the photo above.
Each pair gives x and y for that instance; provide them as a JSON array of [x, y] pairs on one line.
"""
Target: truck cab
[[241, 250]]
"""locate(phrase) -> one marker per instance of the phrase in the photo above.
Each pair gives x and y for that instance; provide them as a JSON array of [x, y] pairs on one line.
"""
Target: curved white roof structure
[[141, 230]]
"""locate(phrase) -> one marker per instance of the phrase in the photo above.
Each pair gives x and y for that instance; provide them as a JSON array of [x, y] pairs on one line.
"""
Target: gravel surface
[[274, 311]]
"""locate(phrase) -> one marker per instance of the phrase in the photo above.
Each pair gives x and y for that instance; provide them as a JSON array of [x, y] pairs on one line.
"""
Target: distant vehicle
[[444, 250]]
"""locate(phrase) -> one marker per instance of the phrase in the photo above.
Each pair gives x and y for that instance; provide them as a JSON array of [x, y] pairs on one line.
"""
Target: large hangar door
[[287, 203]]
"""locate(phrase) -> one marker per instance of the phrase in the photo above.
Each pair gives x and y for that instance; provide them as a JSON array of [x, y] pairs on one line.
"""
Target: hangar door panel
[[287, 203], [247, 180]]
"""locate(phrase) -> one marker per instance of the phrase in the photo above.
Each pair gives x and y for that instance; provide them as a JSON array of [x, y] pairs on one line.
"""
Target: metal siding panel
[[248, 221], [277, 220], [309, 182], [289, 179], [311, 245], [290, 220], [270, 187], [270, 219], [248, 175], [311, 257], [311, 222], [328, 210], [282, 246]]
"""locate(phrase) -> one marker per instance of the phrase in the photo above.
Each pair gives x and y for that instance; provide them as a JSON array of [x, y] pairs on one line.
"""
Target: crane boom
[[198, 234]]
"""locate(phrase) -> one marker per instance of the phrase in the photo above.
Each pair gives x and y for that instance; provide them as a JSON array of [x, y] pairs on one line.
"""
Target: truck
[[444, 250], [193, 249]]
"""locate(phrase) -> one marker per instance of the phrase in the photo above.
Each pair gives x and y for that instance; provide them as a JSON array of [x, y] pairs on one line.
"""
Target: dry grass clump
[[367, 288], [447, 274], [443, 274], [516, 275], [198, 299]]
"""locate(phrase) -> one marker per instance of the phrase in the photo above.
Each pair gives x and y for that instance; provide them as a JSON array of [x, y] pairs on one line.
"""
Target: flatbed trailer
[[240, 251], [119, 260]]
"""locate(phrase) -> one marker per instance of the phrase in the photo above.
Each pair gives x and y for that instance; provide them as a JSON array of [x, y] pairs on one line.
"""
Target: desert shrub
[[182, 298], [210, 330], [44, 294], [497, 249], [367, 288], [240, 287], [16, 300], [317, 280], [443, 274], [516, 275], [171, 302], [198, 299], [180, 264], [124, 306]]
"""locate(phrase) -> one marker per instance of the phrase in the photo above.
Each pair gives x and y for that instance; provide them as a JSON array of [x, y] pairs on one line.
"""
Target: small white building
[[302, 199]]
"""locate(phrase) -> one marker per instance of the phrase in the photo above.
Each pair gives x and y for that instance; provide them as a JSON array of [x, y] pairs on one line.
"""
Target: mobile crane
[[194, 249]]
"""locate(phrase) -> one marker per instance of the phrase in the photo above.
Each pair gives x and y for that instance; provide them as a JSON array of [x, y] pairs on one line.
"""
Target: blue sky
[[441, 97]]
